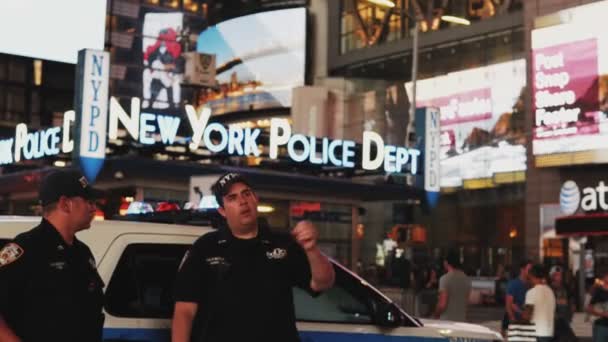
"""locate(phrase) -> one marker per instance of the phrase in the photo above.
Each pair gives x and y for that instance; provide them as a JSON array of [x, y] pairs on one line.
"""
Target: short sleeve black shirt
[[600, 299], [243, 287], [49, 290]]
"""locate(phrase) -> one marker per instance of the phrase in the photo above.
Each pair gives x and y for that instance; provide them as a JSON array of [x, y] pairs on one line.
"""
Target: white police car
[[138, 262]]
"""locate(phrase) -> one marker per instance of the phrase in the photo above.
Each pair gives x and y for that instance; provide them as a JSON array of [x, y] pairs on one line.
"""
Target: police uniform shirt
[[243, 287], [49, 290]]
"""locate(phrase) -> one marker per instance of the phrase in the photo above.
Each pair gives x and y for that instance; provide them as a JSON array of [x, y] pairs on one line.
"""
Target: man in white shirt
[[540, 304]]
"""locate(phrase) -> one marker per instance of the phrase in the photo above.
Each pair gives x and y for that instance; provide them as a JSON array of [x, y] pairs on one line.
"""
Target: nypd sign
[[91, 106], [28, 145], [150, 128], [432, 143]]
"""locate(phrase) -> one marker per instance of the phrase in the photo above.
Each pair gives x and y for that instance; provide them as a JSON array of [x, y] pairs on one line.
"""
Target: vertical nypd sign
[[432, 135], [91, 106], [428, 130]]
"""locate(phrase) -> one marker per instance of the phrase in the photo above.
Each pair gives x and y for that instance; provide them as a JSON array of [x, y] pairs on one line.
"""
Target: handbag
[[521, 332]]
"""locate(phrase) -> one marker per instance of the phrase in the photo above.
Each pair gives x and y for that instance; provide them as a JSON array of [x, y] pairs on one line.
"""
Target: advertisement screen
[[163, 62], [31, 28], [259, 59], [482, 121], [570, 89]]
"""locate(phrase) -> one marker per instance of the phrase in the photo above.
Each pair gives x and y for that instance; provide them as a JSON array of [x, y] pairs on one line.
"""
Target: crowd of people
[[543, 298], [548, 301]]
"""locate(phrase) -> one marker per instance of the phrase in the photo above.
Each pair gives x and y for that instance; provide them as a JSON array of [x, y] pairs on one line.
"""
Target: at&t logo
[[589, 199], [569, 197]]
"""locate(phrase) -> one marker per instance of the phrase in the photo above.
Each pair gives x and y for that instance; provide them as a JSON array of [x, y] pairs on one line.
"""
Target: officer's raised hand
[[322, 271], [306, 235]]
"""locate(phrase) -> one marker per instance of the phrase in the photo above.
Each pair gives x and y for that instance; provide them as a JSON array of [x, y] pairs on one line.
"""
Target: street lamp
[[383, 3], [415, 48]]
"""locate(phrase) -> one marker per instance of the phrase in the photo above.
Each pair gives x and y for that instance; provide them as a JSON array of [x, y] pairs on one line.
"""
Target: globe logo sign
[[569, 197]]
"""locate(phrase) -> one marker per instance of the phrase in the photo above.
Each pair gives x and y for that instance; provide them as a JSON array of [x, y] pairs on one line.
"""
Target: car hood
[[462, 330]]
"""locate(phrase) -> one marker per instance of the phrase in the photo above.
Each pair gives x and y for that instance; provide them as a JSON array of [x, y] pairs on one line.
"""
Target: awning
[[582, 225], [268, 180]]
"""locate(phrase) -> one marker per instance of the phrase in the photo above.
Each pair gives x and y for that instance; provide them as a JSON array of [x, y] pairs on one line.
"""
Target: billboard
[[260, 58], [32, 28], [570, 89], [163, 62], [481, 120]]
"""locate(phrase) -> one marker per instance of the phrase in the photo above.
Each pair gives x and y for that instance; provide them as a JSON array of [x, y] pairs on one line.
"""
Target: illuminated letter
[[275, 139], [369, 138]]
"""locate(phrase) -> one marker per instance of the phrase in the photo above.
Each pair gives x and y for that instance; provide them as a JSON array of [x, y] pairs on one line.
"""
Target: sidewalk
[[491, 317]]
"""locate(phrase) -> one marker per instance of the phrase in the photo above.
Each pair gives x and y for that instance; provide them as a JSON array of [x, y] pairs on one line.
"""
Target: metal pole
[[414, 76], [582, 287]]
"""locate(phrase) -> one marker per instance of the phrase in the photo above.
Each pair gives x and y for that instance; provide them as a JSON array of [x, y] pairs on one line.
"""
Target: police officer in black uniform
[[235, 284], [49, 286]]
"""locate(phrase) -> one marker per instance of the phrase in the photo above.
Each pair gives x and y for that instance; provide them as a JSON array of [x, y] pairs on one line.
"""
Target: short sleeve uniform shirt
[[49, 290], [243, 287]]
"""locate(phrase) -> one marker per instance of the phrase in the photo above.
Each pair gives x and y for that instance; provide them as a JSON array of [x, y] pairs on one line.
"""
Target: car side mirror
[[389, 316]]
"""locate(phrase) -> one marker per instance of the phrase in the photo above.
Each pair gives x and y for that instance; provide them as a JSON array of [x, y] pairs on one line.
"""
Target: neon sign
[[149, 128]]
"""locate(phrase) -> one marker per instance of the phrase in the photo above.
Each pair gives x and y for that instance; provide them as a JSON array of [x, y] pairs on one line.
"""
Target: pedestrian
[[500, 284], [598, 306], [564, 298], [49, 286], [516, 296], [235, 284], [565, 305], [428, 293], [539, 308], [454, 290], [431, 281]]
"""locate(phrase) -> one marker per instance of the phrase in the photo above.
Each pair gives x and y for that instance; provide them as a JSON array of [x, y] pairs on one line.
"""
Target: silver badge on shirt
[[277, 253]]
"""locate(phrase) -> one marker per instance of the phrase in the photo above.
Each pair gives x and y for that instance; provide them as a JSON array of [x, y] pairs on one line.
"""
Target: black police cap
[[221, 187], [66, 183]]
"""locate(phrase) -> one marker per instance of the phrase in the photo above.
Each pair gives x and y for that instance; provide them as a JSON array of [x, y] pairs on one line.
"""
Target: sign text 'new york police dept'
[[150, 128]]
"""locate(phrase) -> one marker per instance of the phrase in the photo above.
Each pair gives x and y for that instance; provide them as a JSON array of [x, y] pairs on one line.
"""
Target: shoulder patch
[[10, 253]]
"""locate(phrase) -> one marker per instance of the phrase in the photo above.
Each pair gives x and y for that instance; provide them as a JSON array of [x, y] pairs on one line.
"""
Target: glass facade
[[481, 214], [366, 23]]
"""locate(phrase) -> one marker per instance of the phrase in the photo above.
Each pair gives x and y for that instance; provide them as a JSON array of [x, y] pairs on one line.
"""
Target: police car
[[138, 262]]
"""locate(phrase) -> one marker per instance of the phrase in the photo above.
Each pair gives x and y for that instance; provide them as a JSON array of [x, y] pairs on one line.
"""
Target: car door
[[139, 271]]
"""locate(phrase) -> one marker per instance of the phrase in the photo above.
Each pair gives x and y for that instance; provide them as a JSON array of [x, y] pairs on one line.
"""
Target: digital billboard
[[260, 58], [570, 88], [481, 120], [52, 30], [163, 61]]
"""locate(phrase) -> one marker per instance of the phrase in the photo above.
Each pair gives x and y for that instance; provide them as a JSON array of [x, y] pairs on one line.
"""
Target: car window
[[348, 301], [335, 305], [142, 283], [340, 304]]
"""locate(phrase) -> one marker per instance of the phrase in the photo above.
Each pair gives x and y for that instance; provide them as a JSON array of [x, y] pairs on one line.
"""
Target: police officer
[[49, 286], [235, 284]]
